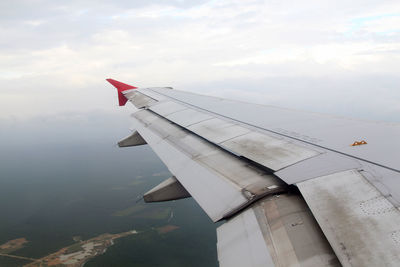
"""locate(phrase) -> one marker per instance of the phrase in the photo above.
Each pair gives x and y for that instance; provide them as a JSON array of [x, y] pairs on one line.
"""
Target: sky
[[338, 57]]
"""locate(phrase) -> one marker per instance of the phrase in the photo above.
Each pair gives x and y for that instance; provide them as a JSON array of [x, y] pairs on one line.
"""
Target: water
[[63, 177]]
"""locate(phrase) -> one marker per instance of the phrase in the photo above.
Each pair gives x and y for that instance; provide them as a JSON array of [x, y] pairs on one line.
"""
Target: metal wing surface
[[293, 188]]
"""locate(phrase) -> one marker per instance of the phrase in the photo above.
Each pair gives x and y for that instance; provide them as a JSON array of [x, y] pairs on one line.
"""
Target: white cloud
[[384, 25], [34, 23], [66, 55]]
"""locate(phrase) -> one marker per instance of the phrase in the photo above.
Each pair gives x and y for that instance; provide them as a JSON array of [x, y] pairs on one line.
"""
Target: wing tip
[[120, 88], [120, 85]]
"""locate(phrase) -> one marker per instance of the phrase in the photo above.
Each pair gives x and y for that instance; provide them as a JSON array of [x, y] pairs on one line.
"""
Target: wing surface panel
[[216, 130], [188, 117], [138, 99], [268, 151], [324, 164], [165, 108], [150, 93]]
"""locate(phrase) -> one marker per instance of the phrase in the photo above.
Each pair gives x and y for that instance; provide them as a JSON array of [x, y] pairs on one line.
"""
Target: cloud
[[55, 56], [389, 24]]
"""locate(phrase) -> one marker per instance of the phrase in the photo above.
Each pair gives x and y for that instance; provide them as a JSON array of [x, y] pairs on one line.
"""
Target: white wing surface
[[293, 188]]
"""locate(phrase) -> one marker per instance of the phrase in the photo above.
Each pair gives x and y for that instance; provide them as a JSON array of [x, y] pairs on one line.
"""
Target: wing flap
[[241, 242], [362, 226], [220, 182], [214, 195], [276, 231]]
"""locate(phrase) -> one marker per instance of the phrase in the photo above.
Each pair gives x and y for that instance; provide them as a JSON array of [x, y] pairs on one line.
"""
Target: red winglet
[[121, 87]]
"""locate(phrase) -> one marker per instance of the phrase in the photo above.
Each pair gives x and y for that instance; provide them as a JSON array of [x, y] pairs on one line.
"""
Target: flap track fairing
[[170, 189], [134, 139]]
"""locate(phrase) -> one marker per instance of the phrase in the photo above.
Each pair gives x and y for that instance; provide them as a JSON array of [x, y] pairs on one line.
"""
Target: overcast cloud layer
[[340, 57]]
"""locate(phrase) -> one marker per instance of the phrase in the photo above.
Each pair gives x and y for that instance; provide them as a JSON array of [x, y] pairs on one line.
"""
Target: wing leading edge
[[255, 176]]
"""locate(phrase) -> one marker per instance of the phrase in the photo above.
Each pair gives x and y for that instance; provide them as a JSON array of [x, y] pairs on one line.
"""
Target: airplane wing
[[293, 188]]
